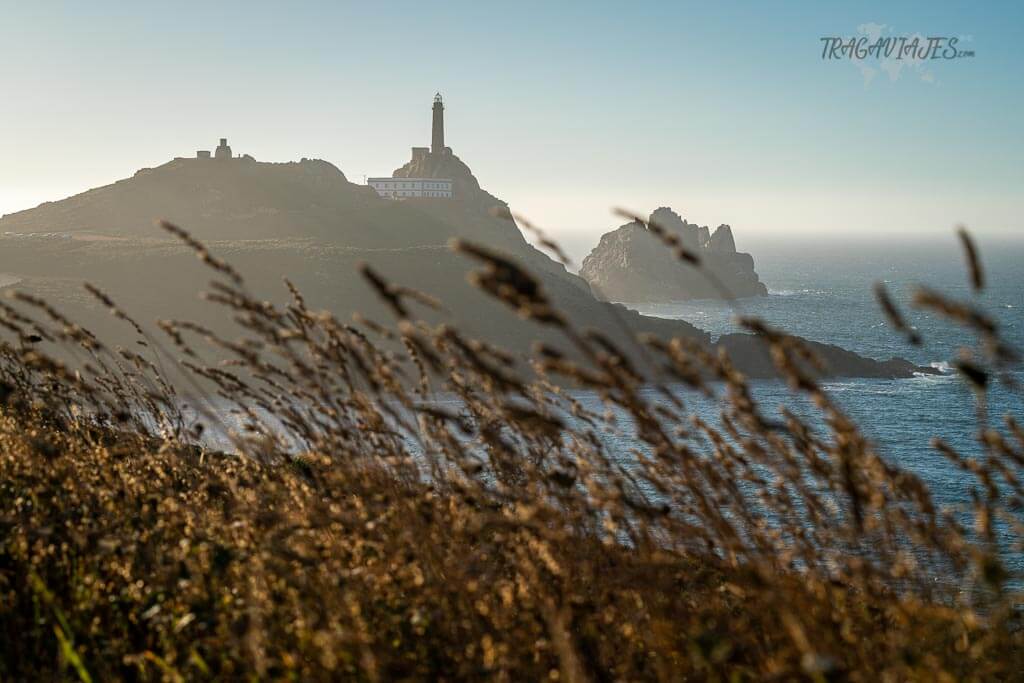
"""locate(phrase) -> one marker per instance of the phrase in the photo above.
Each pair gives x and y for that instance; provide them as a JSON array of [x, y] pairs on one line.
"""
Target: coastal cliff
[[631, 265]]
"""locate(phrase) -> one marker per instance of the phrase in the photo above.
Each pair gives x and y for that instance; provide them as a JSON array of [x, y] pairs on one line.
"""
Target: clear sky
[[727, 112]]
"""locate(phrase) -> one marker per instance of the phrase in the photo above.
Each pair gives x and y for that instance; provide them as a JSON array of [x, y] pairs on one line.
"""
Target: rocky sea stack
[[631, 265]]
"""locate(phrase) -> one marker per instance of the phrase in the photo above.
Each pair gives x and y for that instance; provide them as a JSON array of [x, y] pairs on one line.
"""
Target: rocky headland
[[306, 221]]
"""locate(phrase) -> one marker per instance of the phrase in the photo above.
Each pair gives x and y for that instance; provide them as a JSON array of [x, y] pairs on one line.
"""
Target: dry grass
[[366, 531]]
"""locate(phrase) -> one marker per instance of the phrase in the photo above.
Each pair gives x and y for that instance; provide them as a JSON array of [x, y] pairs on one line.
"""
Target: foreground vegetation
[[365, 530]]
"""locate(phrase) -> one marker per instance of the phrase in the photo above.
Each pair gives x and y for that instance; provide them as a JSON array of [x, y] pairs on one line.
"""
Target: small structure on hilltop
[[428, 158], [223, 151]]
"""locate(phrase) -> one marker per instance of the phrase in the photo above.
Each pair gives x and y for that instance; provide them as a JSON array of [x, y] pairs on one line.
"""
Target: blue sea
[[824, 293]]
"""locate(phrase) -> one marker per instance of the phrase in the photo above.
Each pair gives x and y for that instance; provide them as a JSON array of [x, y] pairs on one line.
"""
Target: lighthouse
[[437, 137], [421, 177]]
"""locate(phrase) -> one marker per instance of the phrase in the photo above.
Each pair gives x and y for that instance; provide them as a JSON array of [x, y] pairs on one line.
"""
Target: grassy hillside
[[423, 513]]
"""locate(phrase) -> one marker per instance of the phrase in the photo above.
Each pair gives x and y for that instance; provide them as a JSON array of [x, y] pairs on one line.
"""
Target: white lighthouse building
[[405, 188]]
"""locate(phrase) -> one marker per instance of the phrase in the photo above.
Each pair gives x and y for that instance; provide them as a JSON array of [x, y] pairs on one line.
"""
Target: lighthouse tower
[[437, 138]]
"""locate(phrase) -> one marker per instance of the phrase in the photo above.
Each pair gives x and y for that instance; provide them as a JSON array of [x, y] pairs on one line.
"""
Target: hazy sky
[[726, 112]]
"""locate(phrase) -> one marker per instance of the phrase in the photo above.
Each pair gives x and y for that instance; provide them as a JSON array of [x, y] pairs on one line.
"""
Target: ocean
[[824, 293]]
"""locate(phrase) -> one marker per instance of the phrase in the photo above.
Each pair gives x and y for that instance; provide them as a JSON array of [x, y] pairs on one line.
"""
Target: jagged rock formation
[[630, 264], [722, 242]]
